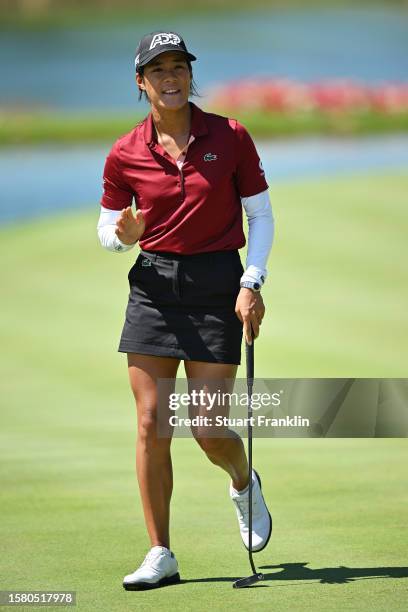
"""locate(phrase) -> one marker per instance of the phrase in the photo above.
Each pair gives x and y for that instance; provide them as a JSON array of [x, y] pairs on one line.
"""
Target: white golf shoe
[[261, 519], [159, 568]]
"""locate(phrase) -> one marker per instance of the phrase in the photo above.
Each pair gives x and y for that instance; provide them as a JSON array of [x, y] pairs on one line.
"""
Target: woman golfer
[[190, 173]]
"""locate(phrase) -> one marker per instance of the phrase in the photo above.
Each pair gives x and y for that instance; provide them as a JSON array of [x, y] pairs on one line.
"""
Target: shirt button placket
[[181, 183]]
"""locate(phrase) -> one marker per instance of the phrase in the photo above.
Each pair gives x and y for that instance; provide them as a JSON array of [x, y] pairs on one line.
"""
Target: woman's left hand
[[250, 310]]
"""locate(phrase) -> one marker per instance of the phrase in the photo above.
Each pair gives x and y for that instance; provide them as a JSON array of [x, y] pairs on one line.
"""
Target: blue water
[[92, 69], [42, 180]]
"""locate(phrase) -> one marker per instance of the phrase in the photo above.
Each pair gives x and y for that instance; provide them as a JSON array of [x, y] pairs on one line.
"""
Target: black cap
[[155, 43]]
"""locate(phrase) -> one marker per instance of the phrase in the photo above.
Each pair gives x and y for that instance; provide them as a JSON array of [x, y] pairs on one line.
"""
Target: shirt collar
[[198, 125]]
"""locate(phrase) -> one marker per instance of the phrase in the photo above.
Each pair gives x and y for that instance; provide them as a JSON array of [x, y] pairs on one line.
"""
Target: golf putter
[[256, 576]]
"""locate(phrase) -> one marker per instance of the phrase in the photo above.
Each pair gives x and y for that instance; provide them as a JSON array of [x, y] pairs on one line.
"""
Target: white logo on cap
[[137, 59], [261, 168], [164, 38]]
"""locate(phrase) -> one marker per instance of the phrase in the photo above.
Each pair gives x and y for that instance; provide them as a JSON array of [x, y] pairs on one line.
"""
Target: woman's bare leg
[[153, 459], [227, 452]]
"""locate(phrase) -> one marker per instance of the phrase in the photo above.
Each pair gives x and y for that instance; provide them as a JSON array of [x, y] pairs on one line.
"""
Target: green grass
[[51, 14], [29, 128], [336, 300], [34, 128]]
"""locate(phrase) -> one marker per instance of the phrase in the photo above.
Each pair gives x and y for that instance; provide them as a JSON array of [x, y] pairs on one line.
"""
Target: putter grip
[[249, 349]]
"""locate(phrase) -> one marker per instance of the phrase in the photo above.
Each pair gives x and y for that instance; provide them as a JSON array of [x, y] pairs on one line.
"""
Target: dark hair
[[193, 85]]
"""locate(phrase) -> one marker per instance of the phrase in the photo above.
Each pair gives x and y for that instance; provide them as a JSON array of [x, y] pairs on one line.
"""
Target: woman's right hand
[[129, 228]]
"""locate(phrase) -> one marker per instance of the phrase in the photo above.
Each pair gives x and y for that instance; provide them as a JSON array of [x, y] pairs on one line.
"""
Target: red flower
[[280, 95]]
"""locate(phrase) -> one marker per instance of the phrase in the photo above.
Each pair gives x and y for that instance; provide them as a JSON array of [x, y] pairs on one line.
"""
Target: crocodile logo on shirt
[[210, 157]]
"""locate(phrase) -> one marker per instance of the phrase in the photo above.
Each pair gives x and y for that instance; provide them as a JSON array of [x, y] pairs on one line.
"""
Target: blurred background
[[322, 87]]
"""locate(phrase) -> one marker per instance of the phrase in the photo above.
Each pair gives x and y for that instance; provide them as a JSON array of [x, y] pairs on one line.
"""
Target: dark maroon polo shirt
[[195, 209]]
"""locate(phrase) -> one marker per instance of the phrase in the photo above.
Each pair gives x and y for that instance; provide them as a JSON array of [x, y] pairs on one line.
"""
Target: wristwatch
[[250, 285]]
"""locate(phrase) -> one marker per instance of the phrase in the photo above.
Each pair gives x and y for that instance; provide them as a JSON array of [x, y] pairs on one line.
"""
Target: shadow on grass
[[294, 572]]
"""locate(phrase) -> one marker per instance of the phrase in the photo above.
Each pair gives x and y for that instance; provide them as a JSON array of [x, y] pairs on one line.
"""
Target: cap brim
[[155, 52]]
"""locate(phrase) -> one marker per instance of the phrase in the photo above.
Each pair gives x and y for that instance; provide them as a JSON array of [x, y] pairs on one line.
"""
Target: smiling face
[[166, 81]]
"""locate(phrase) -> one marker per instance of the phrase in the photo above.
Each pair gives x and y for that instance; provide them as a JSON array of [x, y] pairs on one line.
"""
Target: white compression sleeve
[[260, 235], [106, 231]]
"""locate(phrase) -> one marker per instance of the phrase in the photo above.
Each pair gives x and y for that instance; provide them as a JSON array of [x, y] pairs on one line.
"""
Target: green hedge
[[32, 129]]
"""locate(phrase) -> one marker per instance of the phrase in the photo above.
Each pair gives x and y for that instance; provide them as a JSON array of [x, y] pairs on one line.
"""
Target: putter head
[[246, 582]]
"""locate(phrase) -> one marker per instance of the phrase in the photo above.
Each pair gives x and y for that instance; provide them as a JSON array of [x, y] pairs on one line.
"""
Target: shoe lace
[[151, 556], [243, 505]]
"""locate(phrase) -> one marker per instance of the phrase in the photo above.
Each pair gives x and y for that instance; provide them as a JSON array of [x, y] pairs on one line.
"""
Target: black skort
[[183, 306]]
